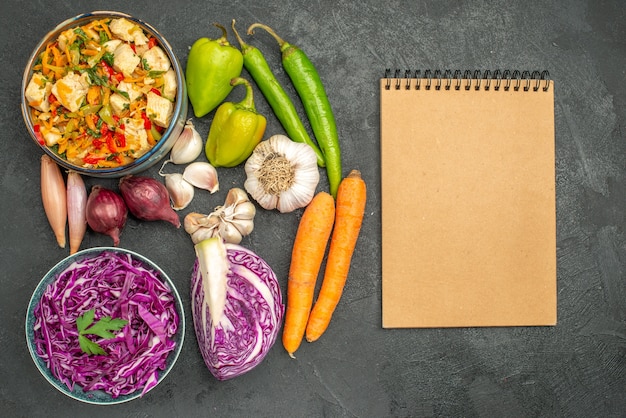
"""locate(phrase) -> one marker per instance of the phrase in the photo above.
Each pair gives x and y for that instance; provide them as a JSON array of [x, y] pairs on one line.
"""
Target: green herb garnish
[[155, 73], [102, 329], [94, 77], [81, 37], [120, 92], [94, 134], [103, 37], [109, 58]]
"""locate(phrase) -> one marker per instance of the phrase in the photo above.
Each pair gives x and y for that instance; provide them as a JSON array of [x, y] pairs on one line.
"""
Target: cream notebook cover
[[468, 200]]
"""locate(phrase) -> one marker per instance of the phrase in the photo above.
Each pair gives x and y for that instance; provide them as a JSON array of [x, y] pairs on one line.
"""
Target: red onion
[[106, 212], [148, 199]]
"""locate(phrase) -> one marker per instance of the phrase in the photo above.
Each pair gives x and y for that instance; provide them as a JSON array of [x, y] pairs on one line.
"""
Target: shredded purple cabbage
[[119, 286], [252, 317]]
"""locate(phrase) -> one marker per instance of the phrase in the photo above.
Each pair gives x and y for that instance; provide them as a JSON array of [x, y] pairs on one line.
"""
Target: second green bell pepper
[[235, 131]]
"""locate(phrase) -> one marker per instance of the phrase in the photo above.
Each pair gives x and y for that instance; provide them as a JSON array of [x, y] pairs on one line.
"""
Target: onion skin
[[76, 209], [148, 199], [106, 212], [54, 198]]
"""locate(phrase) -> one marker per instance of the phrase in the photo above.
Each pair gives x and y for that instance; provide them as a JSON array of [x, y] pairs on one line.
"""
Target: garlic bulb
[[282, 174], [188, 145], [231, 222]]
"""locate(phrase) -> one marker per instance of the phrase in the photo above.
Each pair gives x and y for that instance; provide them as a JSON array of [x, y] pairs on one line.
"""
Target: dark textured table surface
[[575, 369]]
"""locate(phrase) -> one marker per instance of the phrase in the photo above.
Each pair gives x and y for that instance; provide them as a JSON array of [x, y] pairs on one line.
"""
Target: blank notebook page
[[468, 206]]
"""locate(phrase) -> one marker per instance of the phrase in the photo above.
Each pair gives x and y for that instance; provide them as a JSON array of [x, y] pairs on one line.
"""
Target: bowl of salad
[[105, 325], [104, 94]]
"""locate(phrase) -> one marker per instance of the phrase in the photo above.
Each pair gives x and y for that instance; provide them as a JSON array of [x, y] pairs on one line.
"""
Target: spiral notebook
[[468, 199]]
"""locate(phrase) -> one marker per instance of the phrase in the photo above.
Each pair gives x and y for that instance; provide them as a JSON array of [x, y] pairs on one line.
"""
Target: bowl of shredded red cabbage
[[105, 325]]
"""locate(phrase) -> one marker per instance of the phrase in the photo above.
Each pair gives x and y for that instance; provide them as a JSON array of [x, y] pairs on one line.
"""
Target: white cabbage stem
[[213, 265]]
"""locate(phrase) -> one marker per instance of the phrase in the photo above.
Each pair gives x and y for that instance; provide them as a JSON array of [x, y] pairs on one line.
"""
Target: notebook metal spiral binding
[[478, 79]]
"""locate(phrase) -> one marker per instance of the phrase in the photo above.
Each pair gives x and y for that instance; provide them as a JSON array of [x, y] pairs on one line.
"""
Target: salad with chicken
[[101, 94]]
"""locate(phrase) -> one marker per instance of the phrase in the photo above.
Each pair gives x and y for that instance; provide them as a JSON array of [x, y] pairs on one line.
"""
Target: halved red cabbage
[[119, 286], [249, 318]]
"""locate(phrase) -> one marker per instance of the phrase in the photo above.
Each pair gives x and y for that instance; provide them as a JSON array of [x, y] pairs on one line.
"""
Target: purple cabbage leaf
[[237, 307]]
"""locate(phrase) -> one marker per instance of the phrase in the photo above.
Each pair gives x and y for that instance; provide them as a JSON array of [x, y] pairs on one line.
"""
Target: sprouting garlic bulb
[[188, 145], [231, 222], [282, 174]]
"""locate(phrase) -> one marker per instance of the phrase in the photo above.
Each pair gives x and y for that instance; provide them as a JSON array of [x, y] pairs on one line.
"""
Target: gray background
[[576, 369]]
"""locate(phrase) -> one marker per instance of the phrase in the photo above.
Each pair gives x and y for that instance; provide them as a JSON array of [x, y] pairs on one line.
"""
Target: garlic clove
[[244, 226], [267, 201], [202, 175], [244, 210], [188, 145], [297, 197], [194, 221], [203, 233], [236, 196], [230, 233], [181, 191]]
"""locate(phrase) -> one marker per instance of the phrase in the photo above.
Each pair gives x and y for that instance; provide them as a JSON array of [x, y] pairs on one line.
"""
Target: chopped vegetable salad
[[102, 94]]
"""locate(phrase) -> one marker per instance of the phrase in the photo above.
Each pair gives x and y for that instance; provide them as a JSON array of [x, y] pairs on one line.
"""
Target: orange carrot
[[306, 258], [348, 219], [93, 95]]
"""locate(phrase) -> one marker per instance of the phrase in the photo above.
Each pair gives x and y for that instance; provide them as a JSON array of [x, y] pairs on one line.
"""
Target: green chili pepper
[[309, 87], [106, 115], [283, 107], [235, 131], [211, 64]]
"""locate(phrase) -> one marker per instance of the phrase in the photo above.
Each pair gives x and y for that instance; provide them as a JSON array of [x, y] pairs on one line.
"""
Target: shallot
[[76, 209], [148, 199], [106, 212], [53, 195]]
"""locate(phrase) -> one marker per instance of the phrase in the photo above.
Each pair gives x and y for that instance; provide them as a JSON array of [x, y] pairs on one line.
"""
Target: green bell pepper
[[235, 131], [211, 64]]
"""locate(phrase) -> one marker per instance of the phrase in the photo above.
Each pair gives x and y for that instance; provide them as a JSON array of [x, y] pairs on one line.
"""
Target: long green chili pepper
[[283, 107], [309, 87]]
